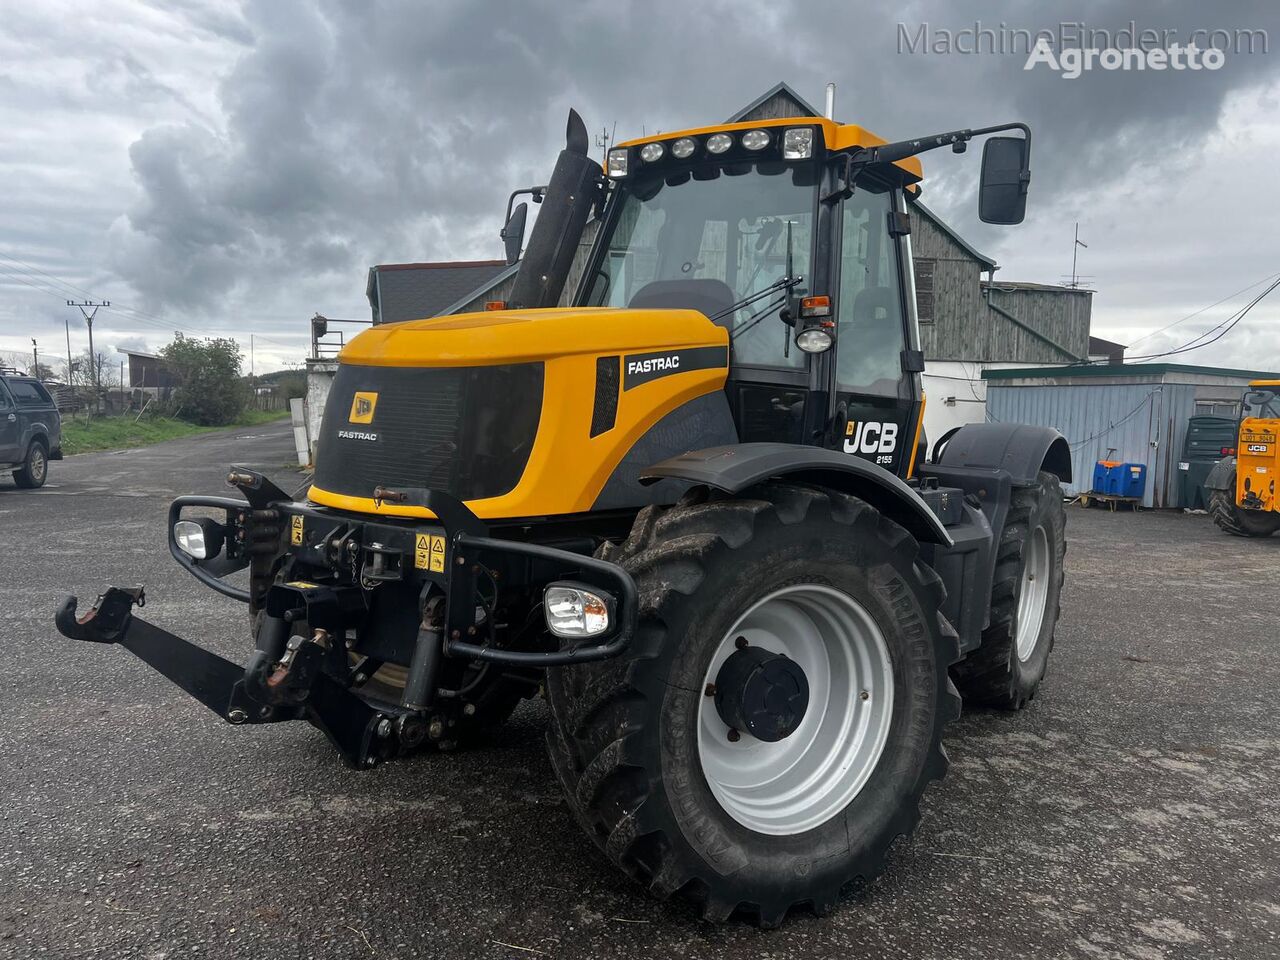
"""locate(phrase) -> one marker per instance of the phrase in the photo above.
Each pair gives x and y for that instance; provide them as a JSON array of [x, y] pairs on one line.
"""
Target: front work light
[[755, 139], [652, 152], [683, 148], [797, 143], [617, 163], [719, 142], [814, 339], [572, 610]]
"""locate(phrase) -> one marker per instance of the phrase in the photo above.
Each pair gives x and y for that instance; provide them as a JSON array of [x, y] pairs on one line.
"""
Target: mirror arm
[[956, 139], [535, 193]]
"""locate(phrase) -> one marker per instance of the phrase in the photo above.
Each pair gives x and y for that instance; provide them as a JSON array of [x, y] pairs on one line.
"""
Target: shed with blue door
[[1131, 414]]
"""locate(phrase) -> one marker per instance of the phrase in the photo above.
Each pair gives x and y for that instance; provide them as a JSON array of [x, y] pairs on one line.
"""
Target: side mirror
[[513, 232], [1006, 173]]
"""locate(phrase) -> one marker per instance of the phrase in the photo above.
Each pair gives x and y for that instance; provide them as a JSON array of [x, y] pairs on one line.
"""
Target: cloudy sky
[[230, 169]]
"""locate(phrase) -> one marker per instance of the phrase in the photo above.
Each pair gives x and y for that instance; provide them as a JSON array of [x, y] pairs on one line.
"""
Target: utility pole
[[90, 310], [35, 359], [70, 369], [251, 356], [1075, 248]]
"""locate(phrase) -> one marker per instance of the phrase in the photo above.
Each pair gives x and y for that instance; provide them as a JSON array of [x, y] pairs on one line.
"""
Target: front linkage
[[307, 663]]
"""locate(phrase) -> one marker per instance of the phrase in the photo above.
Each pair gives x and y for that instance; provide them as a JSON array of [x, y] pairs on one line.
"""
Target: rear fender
[[1222, 476], [1021, 450]]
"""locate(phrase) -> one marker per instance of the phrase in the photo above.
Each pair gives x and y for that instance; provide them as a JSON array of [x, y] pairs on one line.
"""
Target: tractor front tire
[[1240, 523], [1006, 670], [805, 792]]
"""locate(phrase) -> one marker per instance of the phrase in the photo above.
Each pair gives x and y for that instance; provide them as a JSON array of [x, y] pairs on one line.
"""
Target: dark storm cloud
[[256, 181], [356, 133]]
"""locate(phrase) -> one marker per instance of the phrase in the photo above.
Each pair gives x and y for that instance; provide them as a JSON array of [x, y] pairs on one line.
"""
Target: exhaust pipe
[[557, 232], [831, 102]]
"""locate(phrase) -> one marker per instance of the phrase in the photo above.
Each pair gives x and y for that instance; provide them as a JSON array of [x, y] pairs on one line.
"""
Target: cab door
[[10, 428], [876, 393]]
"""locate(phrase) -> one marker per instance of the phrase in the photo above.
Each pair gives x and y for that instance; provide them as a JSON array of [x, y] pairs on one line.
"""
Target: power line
[[1197, 313], [1221, 330], [132, 313]]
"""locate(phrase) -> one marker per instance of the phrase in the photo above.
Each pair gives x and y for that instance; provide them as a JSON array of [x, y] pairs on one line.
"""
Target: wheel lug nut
[[711, 690], [734, 736], [740, 642], [865, 695]]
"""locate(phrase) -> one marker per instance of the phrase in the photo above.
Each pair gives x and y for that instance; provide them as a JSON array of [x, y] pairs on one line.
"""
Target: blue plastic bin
[[1107, 477], [1132, 479]]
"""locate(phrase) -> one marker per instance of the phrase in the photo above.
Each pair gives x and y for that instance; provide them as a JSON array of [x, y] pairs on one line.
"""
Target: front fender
[[735, 467]]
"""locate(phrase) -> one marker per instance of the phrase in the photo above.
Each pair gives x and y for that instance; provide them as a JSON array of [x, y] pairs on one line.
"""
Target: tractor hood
[[520, 336]]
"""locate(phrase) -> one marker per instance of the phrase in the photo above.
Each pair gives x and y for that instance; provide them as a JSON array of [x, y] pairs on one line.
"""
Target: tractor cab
[[792, 235]]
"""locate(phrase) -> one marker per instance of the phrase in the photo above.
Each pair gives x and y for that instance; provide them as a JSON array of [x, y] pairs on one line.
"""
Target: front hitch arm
[[353, 726]]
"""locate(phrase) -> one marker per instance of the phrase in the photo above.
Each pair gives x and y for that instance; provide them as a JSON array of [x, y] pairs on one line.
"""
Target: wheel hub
[[764, 694]]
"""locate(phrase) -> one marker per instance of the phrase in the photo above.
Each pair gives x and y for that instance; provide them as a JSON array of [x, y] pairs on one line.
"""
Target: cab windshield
[[708, 238], [1263, 404]]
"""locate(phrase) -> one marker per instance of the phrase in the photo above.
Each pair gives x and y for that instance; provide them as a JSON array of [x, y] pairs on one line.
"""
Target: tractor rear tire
[[653, 771], [1240, 523], [1006, 670]]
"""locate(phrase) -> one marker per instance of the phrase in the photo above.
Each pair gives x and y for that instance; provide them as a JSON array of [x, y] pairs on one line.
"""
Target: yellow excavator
[[693, 509], [1242, 488]]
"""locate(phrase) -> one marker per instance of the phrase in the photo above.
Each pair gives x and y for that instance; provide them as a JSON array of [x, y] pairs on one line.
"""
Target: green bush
[[209, 390]]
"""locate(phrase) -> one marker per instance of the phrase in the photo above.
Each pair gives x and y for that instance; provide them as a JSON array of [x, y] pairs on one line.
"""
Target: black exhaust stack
[[556, 234]]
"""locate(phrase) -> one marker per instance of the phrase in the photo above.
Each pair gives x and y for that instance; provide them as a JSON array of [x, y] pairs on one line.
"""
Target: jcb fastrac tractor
[[1242, 488], [693, 510]]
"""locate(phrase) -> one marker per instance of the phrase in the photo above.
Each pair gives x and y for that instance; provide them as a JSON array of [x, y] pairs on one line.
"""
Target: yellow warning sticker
[[428, 552], [295, 534]]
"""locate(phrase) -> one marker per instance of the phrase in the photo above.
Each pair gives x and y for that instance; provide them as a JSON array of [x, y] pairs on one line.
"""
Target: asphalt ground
[[1133, 811]]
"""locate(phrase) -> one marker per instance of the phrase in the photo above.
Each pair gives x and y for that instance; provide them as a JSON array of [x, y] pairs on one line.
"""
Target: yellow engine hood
[[515, 336]]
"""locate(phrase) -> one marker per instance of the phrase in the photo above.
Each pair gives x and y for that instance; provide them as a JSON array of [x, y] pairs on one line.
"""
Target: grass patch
[[118, 433]]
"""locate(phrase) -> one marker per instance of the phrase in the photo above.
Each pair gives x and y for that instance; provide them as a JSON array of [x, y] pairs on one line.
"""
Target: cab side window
[[871, 333], [28, 394]]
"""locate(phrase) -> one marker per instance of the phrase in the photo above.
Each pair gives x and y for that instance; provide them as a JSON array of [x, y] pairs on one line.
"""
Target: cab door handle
[[12, 417]]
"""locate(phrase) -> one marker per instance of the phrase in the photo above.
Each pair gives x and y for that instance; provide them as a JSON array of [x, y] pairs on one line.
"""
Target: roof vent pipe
[[831, 102]]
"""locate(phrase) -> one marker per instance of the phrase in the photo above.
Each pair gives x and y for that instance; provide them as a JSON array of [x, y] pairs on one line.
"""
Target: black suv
[[30, 429]]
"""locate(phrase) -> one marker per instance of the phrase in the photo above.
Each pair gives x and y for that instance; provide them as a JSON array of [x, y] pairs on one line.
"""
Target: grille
[[467, 431]]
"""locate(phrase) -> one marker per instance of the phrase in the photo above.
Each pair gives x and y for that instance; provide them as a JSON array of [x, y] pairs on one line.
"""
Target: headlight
[[651, 152], [797, 143], [814, 340], [573, 611], [755, 139], [190, 538], [617, 163], [683, 148], [719, 142]]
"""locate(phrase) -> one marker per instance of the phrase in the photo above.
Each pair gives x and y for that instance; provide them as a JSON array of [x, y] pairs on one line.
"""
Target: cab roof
[[836, 136]]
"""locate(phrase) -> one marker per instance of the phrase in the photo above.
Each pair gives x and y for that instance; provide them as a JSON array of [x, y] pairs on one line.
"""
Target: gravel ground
[[1133, 811]]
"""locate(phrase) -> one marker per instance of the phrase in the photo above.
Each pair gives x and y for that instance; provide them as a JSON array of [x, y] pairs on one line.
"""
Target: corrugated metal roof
[[412, 291], [1135, 370]]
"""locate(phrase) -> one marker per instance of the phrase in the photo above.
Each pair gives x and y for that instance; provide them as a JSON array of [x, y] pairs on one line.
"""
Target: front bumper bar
[[360, 732]]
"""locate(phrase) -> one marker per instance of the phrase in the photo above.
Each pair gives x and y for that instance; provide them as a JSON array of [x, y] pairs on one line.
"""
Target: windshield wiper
[[782, 283]]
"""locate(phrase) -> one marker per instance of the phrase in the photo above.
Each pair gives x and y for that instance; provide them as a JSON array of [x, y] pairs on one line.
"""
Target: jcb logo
[[362, 405], [870, 436]]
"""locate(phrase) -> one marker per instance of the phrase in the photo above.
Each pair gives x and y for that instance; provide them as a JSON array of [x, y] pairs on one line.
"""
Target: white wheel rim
[[802, 781], [1034, 595], [37, 465]]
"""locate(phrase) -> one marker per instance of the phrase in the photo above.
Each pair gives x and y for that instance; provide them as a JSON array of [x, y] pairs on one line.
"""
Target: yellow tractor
[[1242, 488], [693, 510]]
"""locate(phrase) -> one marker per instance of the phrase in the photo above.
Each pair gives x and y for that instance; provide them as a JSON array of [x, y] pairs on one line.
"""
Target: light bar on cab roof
[[795, 143]]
